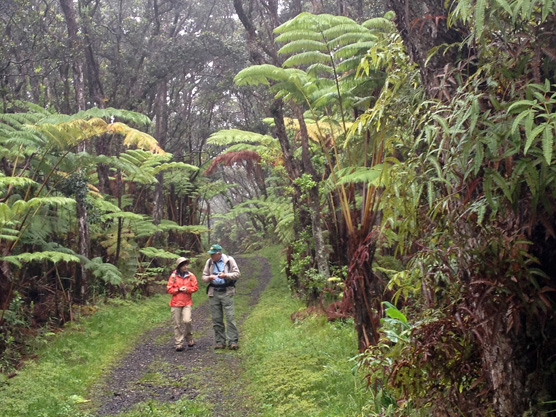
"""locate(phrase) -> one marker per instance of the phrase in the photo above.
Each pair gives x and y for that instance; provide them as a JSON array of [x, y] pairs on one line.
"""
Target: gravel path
[[153, 370]]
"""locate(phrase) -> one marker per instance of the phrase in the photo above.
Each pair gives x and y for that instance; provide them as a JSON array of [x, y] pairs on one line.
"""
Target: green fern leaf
[[307, 58], [359, 48], [151, 252], [352, 39], [16, 182], [302, 45], [479, 18], [349, 27], [107, 272], [547, 144], [174, 165], [360, 174], [379, 24], [54, 257], [318, 68], [296, 35], [230, 136]]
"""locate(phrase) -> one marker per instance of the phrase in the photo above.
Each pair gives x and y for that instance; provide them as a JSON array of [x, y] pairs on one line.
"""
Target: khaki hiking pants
[[181, 317], [222, 306]]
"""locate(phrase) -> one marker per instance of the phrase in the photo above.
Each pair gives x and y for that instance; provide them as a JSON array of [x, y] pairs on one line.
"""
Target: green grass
[[299, 369], [57, 383]]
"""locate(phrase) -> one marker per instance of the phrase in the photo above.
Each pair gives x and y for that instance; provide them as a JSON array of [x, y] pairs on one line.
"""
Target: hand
[[221, 275], [212, 277], [183, 289]]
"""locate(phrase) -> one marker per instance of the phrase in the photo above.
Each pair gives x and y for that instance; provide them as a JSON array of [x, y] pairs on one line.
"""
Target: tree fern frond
[[54, 257], [295, 35], [21, 205], [27, 139], [307, 58], [166, 225], [359, 48], [308, 21], [7, 233], [261, 74], [230, 136], [174, 165], [351, 38], [339, 30], [134, 137], [16, 182], [104, 205], [262, 150], [126, 215], [319, 68], [151, 252], [97, 113], [105, 271], [360, 174], [302, 45], [379, 24], [349, 65], [231, 158]]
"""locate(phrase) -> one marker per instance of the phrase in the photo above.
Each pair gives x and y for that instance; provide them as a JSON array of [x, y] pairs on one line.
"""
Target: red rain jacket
[[175, 282]]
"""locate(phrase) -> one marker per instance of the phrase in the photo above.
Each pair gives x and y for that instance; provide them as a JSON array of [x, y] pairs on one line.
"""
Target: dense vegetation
[[404, 158]]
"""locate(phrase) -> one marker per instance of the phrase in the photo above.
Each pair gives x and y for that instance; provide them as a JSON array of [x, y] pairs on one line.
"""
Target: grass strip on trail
[[300, 369]]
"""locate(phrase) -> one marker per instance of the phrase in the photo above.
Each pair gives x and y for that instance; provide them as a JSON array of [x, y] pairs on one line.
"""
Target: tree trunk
[[82, 281], [161, 132], [321, 254], [422, 25]]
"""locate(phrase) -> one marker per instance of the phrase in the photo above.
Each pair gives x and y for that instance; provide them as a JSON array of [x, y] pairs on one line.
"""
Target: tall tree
[[76, 47]]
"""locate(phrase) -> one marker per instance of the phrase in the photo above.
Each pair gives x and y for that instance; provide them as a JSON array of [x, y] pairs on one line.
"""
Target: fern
[[231, 136], [16, 182], [126, 215], [151, 252], [105, 271], [307, 58], [50, 256], [303, 45], [361, 175]]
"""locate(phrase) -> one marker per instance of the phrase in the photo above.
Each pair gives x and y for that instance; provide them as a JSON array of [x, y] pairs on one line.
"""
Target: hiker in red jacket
[[181, 285]]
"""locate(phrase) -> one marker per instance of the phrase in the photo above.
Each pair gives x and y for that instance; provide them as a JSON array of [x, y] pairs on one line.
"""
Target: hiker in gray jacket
[[221, 273]]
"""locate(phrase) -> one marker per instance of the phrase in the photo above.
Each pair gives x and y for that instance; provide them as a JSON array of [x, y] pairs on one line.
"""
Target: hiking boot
[[219, 346], [234, 346], [179, 349], [191, 343]]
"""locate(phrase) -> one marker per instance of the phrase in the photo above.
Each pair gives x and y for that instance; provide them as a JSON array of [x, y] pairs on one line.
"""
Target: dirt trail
[[153, 370]]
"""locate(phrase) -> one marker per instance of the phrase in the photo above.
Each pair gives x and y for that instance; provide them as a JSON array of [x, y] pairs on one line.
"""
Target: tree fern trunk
[[422, 25]]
